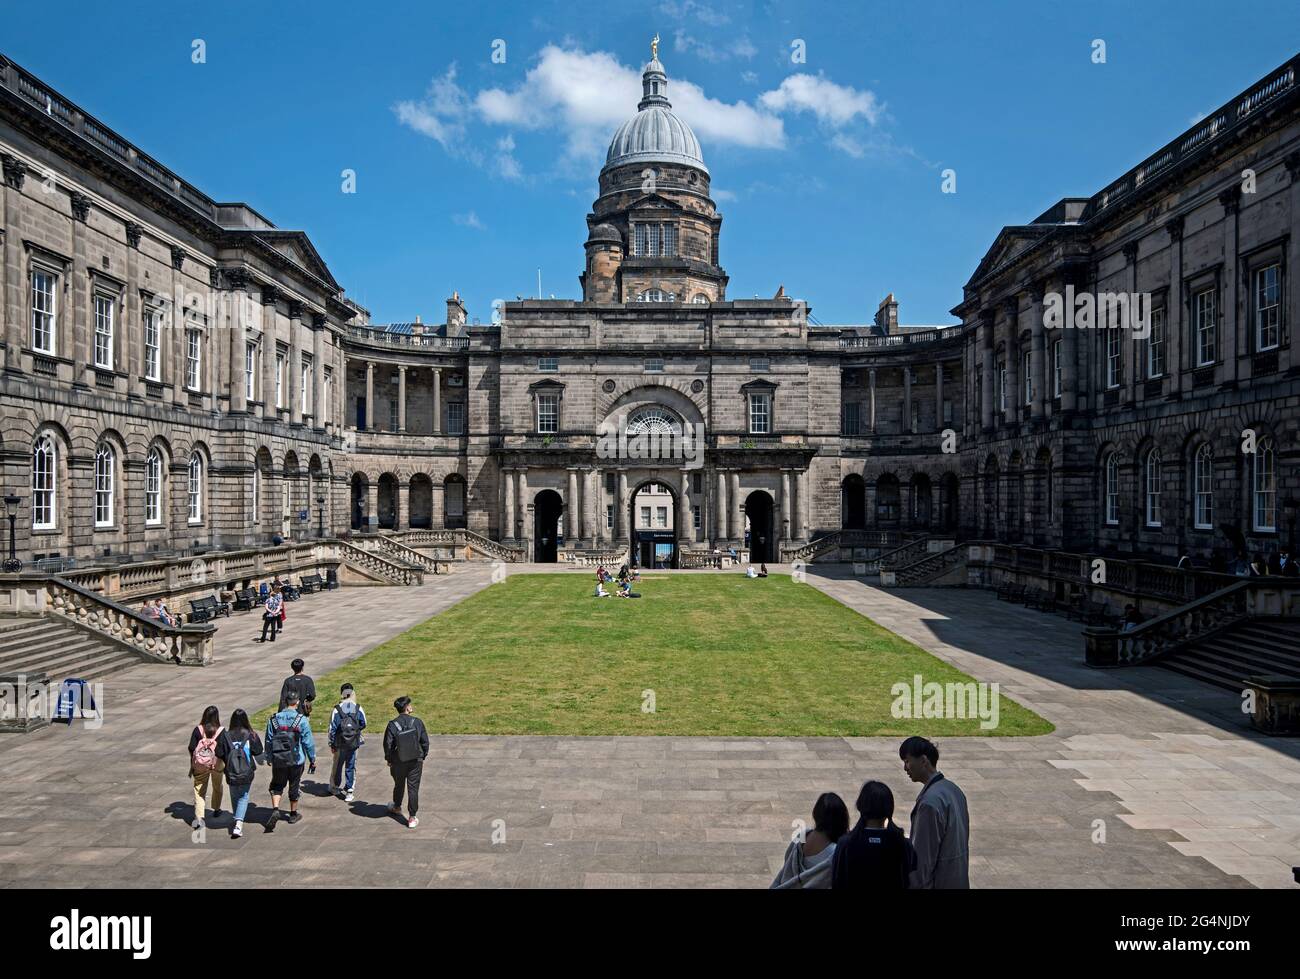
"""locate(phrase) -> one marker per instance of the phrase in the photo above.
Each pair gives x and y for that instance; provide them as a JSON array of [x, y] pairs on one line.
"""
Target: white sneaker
[[412, 823], [349, 797]]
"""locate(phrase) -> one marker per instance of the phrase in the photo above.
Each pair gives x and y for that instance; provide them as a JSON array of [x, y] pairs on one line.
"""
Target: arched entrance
[[360, 493], [387, 501], [948, 484], [547, 507], [853, 503], [652, 519], [760, 531], [922, 501], [887, 497], [421, 516], [453, 502]]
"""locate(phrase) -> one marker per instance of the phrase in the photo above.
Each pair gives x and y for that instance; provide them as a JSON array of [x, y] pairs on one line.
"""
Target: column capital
[[15, 171], [1130, 252], [178, 257], [133, 234], [1175, 227], [270, 295], [81, 208], [295, 309], [1231, 198]]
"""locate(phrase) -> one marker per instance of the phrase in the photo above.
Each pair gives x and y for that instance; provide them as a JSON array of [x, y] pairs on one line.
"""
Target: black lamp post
[[320, 507], [12, 565]]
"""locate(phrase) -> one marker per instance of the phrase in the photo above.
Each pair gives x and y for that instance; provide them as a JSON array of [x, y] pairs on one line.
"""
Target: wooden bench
[[311, 583], [206, 609], [1011, 592], [247, 599]]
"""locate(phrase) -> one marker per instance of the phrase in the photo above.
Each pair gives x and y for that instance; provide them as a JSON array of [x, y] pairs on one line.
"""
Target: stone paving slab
[[1150, 753]]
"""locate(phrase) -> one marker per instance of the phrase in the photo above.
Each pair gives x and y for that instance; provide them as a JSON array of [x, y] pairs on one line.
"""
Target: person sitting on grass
[[750, 572], [808, 861], [600, 590], [762, 570]]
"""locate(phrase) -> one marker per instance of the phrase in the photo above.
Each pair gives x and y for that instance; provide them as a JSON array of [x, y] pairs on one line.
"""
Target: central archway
[[652, 524], [547, 507], [760, 530]]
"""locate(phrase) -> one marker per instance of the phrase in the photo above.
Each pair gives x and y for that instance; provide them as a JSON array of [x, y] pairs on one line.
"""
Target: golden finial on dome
[[654, 47]]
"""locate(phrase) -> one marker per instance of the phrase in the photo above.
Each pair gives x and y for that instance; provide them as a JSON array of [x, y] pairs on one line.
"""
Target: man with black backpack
[[406, 745], [289, 744], [347, 722]]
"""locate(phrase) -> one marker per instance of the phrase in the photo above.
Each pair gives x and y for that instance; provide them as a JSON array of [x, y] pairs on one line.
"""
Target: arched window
[[653, 421], [43, 493], [1264, 486], [1112, 489], [104, 486], [1203, 488], [700, 299], [196, 488], [1153, 488], [153, 488], [656, 296]]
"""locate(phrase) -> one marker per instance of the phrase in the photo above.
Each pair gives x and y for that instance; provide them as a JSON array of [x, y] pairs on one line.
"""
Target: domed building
[[653, 232]]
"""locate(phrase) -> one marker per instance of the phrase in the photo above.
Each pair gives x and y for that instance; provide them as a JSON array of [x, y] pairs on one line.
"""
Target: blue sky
[[470, 173]]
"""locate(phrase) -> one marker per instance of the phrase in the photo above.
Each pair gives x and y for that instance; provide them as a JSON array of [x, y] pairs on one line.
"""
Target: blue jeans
[[347, 760], [239, 799]]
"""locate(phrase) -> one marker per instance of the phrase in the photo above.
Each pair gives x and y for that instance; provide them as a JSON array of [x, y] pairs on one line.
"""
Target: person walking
[[347, 721], [271, 615], [875, 856], [406, 745], [205, 766], [290, 745], [940, 823], [807, 864], [301, 684], [239, 747]]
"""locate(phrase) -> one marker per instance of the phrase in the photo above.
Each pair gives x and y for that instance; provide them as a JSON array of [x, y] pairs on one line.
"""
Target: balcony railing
[[892, 340], [409, 341]]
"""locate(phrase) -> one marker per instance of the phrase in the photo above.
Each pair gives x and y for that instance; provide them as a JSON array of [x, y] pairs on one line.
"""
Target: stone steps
[[1259, 647], [60, 650]]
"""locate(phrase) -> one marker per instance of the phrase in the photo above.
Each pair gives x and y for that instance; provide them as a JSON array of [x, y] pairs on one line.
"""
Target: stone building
[[181, 373]]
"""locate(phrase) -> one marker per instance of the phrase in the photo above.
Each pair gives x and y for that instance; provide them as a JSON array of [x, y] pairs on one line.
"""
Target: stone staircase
[[60, 650], [1254, 647]]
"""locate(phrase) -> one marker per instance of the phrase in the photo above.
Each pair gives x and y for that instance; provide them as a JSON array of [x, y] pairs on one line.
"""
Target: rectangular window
[[43, 311], [455, 418], [669, 240], [760, 364], [638, 246], [548, 365], [104, 332], [327, 397], [1027, 376], [916, 416], [695, 516], [548, 414], [305, 386], [661, 516], [279, 380], [947, 411], [852, 418], [1113, 357], [1156, 344], [1268, 307], [1056, 368], [193, 359], [1205, 325], [153, 490], [645, 516], [609, 516], [760, 414], [392, 414], [654, 365], [152, 349], [1002, 385], [250, 371], [652, 239]]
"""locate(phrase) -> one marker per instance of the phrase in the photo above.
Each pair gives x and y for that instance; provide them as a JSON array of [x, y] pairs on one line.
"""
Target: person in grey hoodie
[[940, 823]]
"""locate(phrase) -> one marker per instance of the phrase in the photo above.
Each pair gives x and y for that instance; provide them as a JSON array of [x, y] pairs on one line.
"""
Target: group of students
[[875, 854], [229, 756], [626, 576], [157, 609], [1279, 562]]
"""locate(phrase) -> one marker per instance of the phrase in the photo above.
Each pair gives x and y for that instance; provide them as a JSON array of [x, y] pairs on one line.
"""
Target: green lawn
[[723, 654]]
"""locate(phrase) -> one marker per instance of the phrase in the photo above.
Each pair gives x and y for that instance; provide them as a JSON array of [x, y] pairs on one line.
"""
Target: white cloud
[[749, 77], [834, 105], [740, 48], [847, 144], [506, 164], [441, 114], [469, 220]]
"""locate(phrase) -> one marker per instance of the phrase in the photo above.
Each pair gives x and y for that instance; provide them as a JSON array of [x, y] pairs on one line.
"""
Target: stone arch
[[387, 513], [420, 505], [888, 500], [454, 498], [853, 502]]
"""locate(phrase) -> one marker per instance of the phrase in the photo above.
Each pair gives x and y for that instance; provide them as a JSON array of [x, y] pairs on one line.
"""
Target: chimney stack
[[455, 312], [887, 315]]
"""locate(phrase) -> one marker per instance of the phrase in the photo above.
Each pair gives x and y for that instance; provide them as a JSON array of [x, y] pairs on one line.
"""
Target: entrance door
[[758, 516], [547, 507], [286, 513]]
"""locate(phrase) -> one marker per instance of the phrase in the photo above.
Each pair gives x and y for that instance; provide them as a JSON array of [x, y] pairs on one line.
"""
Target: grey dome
[[605, 232], [655, 134]]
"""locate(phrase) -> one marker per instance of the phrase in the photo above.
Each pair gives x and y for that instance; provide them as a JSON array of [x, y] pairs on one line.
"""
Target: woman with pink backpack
[[205, 766]]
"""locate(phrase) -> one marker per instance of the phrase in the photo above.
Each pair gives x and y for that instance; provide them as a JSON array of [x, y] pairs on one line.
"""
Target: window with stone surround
[[654, 240], [1267, 306], [1027, 376], [279, 379], [1114, 370], [455, 418], [1111, 489], [548, 365], [1153, 492], [305, 375], [44, 311], [194, 488], [250, 372], [760, 413], [327, 398], [193, 359], [1203, 488], [44, 460], [1155, 344], [153, 488], [1056, 367], [104, 482], [548, 413], [152, 346], [1263, 483], [1205, 325]]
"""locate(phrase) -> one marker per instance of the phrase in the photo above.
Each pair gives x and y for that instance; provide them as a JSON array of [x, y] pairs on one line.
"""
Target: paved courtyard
[[1185, 794]]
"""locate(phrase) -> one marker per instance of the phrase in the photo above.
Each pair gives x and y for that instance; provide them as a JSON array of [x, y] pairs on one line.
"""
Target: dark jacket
[[869, 859], [390, 738], [224, 746], [194, 738], [302, 683]]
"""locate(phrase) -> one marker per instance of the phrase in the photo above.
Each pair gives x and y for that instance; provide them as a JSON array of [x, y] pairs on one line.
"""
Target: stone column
[[319, 409], [508, 529], [1231, 340], [595, 515], [401, 397], [1014, 399], [16, 325], [231, 290], [180, 340], [938, 397], [787, 509], [622, 532], [79, 312], [372, 506], [269, 297], [720, 508], [521, 509], [987, 408], [907, 400], [293, 383], [686, 528], [1174, 305], [370, 395], [800, 529], [1129, 351], [572, 508], [437, 401], [737, 515], [133, 353], [1038, 355], [871, 373], [403, 504], [1069, 362]]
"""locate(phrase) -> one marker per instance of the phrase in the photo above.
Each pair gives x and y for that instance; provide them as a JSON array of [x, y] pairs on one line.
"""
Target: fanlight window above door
[[653, 421]]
